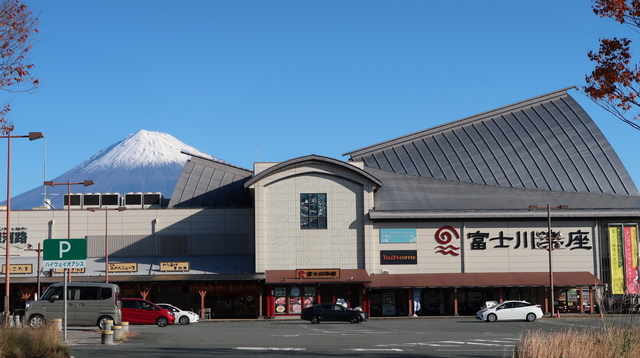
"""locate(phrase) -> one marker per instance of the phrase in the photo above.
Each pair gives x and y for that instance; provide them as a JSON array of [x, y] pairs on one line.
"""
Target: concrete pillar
[[125, 327], [107, 325], [107, 337], [57, 323], [117, 333]]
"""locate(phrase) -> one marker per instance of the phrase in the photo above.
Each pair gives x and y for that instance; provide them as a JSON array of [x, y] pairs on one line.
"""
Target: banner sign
[[617, 267], [630, 259]]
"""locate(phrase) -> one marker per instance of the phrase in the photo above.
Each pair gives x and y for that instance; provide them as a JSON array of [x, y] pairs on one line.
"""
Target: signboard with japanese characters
[[64, 253], [123, 267], [174, 266], [28, 268]]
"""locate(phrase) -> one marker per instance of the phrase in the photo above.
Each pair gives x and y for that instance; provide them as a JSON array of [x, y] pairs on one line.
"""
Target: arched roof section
[[546, 143], [312, 160]]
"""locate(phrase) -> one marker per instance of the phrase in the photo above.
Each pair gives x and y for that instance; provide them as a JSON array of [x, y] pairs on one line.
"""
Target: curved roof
[[546, 143], [309, 160]]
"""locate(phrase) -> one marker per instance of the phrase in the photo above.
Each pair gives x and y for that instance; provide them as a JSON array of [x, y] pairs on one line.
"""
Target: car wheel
[[102, 320], [492, 318], [355, 319], [184, 320], [162, 321], [315, 319], [531, 317], [36, 321]]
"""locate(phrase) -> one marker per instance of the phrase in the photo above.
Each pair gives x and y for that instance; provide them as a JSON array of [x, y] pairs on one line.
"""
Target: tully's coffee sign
[[398, 257]]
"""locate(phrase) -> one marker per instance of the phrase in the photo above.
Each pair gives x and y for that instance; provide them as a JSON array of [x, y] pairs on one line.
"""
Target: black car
[[332, 312]]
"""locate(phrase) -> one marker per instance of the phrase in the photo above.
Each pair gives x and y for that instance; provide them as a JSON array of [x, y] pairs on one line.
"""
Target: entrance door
[[388, 304]]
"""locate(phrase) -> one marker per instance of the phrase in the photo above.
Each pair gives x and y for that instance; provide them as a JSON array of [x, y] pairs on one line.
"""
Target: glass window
[[313, 211]]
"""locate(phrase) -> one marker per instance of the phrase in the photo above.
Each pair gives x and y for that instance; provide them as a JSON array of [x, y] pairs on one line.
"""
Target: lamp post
[[7, 285], [106, 237], [550, 238], [69, 184], [39, 250]]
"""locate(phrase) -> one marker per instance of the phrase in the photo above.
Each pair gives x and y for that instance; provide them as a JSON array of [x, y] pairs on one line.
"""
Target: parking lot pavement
[[83, 336]]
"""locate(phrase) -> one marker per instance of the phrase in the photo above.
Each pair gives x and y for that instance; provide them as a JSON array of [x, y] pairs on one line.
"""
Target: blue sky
[[250, 81]]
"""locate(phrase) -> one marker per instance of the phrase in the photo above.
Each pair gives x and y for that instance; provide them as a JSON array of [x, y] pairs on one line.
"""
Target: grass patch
[[31, 343], [615, 342]]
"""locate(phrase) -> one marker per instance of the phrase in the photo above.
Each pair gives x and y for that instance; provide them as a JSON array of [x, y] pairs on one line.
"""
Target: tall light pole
[[69, 184], [7, 286], [106, 237], [550, 238]]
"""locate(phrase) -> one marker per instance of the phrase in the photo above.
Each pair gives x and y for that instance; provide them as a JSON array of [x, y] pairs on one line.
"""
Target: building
[[433, 223]]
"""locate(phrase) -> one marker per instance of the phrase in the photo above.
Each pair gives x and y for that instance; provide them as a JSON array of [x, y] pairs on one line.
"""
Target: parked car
[[88, 304], [510, 310], [332, 312], [183, 317], [139, 311]]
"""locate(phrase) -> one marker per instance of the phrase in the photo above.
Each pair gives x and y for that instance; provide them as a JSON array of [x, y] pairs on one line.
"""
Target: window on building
[[313, 211]]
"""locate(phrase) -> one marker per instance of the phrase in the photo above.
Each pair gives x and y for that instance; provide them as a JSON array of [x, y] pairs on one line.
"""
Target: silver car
[[510, 310]]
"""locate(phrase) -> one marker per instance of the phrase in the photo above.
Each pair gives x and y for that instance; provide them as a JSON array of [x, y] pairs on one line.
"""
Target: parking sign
[[64, 253]]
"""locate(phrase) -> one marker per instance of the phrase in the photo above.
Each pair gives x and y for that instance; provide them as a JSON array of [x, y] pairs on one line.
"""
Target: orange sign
[[318, 273]]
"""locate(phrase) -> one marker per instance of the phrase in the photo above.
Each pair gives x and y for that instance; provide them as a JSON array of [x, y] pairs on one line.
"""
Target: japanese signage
[[630, 259], [398, 236], [617, 268], [123, 266], [28, 268], [72, 270], [322, 273], [64, 253], [623, 247], [18, 235], [174, 266], [578, 240], [398, 257]]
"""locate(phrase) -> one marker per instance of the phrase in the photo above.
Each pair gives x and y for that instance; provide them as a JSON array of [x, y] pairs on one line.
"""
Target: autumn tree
[[614, 84], [17, 31]]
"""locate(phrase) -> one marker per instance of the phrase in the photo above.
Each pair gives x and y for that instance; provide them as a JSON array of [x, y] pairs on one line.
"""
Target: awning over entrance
[[489, 279], [289, 276]]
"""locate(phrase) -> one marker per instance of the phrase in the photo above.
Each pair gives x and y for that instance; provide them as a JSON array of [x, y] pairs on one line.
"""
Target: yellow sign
[[72, 270], [174, 266], [28, 268], [123, 267], [322, 273], [617, 267]]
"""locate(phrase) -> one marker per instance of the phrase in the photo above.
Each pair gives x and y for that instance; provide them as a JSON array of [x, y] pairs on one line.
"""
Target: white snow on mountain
[[144, 148], [145, 161]]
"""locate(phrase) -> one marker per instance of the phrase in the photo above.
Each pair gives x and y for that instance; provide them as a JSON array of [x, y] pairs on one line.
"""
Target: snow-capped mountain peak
[[145, 161], [143, 148]]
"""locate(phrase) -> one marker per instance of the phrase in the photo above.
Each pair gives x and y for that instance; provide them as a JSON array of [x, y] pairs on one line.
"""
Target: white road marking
[[374, 350], [268, 349]]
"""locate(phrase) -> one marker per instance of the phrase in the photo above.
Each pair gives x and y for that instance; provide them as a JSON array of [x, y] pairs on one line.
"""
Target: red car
[[139, 311]]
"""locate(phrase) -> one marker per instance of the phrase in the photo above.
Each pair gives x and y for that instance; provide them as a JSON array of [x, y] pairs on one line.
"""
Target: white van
[[88, 304]]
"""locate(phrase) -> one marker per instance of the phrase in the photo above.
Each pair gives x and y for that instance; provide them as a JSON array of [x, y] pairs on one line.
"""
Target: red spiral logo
[[445, 234]]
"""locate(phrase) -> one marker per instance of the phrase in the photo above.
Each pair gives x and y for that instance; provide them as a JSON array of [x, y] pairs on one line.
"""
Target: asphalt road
[[399, 337]]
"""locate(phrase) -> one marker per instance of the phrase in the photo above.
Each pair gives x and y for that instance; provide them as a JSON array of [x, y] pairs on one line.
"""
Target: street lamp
[[550, 238], [39, 250], [106, 237], [69, 184], [32, 136]]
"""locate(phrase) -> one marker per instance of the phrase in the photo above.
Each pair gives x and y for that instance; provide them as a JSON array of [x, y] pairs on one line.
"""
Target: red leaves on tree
[[17, 26], [614, 84]]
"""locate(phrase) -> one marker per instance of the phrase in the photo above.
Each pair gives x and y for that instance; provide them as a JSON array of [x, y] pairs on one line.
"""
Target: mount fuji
[[144, 161]]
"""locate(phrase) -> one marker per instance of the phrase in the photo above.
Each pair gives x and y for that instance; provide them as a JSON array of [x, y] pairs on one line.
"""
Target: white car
[[510, 310], [183, 317]]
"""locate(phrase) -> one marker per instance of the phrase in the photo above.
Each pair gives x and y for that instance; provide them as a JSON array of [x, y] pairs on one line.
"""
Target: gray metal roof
[[545, 143], [205, 183], [407, 196]]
